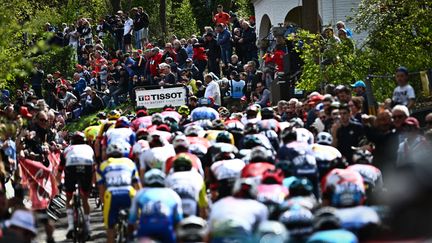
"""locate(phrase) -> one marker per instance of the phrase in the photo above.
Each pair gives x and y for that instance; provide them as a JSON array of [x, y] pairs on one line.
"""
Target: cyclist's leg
[[85, 184], [70, 180], [107, 216]]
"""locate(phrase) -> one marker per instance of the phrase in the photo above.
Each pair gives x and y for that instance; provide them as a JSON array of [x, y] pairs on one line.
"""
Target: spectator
[[155, 60], [346, 133], [192, 69], [399, 114], [140, 23], [234, 65], [20, 228], [413, 147], [127, 33], [67, 100], [80, 84], [404, 93], [355, 106], [212, 89], [341, 25], [181, 54], [248, 40], [239, 48], [199, 58], [360, 91], [221, 17], [119, 30], [213, 53], [224, 41], [263, 95], [167, 76], [169, 52], [96, 104], [36, 80]]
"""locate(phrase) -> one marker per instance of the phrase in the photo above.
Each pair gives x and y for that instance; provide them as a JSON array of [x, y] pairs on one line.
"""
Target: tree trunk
[[116, 5], [162, 14]]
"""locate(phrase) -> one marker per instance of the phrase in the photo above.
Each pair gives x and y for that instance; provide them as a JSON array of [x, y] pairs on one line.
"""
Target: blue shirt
[[156, 208], [237, 88], [333, 236]]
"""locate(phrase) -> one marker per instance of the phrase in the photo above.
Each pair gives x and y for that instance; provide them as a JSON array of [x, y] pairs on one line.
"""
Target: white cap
[[164, 65], [87, 89], [23, 219]]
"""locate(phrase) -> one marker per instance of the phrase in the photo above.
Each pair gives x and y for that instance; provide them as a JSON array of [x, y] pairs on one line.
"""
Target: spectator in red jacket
[[278, 59], [221, 17], [155, 60], [199, 58]]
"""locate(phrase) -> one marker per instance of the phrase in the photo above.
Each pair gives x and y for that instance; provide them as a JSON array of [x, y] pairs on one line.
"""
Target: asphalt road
[[96, 226]]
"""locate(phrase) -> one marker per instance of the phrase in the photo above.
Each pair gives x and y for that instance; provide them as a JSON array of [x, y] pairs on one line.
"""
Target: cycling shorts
[[78, 174], [163, 233], [114, 201]]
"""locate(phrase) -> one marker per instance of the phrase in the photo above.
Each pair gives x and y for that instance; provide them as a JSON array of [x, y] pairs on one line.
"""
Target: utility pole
[[310, 16]]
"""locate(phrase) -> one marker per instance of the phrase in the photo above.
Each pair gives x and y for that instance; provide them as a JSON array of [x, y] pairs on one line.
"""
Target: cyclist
[[155, 157], [118, 181], [184, 111], [299, 222], [192, 229], [259, 163], [112, 118], [237, 217], [158, 209], [92, 131], [77, 163], [121, 132], [189, 185], [142, 120], [181, 147]]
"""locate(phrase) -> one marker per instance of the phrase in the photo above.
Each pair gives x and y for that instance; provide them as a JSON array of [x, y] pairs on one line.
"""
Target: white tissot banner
[[158, 98]]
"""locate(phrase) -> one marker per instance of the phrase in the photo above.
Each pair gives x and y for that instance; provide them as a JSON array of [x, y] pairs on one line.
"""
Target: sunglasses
[[398, 117]]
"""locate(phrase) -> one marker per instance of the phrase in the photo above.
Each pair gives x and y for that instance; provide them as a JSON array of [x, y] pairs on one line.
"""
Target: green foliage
[[184, 23], [56, 59], [328, 62]]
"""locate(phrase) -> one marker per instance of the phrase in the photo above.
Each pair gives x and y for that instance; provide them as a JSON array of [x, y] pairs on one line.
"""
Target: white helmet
[[304, 135], [324, 138], [193, 130], [118, 148], [180, 141], [246, 185], [154, 177]]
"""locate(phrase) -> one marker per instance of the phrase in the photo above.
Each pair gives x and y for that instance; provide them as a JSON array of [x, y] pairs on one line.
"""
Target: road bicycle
[[122, 227]]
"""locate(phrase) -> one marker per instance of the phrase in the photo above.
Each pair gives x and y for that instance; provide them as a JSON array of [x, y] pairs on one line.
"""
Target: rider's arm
[[203, 203], [100, 180]]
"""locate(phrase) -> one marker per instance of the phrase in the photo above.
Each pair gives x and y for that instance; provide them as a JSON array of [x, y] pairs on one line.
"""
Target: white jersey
[[139, 147], [227, 169], [357, 217], [79, 154], [123, 134], [246, 213], [188, 185], [155, 158], [401, 95]]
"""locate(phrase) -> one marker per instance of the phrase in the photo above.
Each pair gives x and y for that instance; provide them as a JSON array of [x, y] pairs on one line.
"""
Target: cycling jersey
[[345, 187], [139, 147], [333, 236], [256, 169], [141, 122], [204, 113], [155, 158], [227, 169], [341, 176], [355, 218], [196, 163], [371, 175], [232, 215], [158, 211], [120, 134], [274, 194], [117, 175], [171, 114], [189, 185], [92, 132], [79, 154]]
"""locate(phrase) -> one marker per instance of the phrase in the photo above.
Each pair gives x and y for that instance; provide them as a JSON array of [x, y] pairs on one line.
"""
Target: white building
[[270, 13]]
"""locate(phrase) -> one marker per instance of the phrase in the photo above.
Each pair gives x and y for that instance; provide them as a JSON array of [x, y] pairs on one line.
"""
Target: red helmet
[[273, 177]]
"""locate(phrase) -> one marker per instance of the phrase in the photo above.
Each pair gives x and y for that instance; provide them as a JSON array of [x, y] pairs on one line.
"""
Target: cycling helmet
[[245, 188], [192, 229], [78, 138], [251, 128], [184, 110], [326, 219], [224, 112], [362, 156], [324, 138], [168, 108], [101, 115], [301, 187], [273, 177], [193, 131], [234, 126], [252, 111], [225, 137], [272, 231], [157, 119], [118, 149], [304, 135], [288, 135], [296, 122], [180, 141], [223, 155], [113, 115], [182, 162], [155, 140], [267, 113], [298, 221], [141, 134], [154, 178], [260, 154], [122, 122], [218, 124], [251, 141]]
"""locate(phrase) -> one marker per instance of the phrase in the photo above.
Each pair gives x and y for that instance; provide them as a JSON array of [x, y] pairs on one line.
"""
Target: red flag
[[40, 181]]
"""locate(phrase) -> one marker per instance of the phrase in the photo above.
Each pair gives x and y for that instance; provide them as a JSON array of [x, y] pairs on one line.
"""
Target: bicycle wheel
[[76, 225], [82, 226]]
